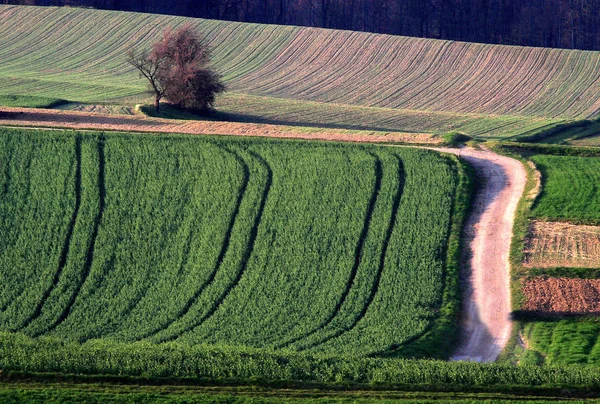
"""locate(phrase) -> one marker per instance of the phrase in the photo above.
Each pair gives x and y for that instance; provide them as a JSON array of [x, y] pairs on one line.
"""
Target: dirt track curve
[[486, 322]]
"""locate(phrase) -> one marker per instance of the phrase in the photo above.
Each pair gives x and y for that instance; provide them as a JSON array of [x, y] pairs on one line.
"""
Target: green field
[[309, 247], [569, 188], [566, 341], [299, 76]]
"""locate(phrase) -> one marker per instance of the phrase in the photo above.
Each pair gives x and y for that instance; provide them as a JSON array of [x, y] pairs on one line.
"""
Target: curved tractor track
[[486, 318]]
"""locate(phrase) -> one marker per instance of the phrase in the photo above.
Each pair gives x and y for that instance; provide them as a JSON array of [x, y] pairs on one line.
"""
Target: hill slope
[[78, 54], [235, 242]]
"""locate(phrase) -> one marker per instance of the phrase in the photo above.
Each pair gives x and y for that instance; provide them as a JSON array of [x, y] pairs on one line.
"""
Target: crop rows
[[78, 55], [330, 248], [305, 113]]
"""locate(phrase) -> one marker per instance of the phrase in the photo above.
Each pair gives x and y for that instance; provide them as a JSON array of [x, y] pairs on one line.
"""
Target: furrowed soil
[[562, 296], [138, 123], [486, 320], [557, 244]]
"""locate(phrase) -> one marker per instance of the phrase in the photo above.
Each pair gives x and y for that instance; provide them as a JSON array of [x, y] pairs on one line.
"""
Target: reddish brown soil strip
[[550, 245], [562, 295], [139, 123]]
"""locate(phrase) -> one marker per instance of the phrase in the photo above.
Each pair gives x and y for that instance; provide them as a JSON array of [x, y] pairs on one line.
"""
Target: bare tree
[[152, 67], [178, 69]]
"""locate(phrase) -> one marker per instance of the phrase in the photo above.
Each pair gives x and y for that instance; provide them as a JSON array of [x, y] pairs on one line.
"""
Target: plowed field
[[555, 244], [78, 55], [562, 296]]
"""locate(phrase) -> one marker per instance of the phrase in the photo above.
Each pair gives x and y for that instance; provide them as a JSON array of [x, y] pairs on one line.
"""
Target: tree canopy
[[178, 69]]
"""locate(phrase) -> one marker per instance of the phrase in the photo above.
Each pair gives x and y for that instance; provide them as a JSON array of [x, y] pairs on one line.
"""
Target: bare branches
[[152, 66], [177, 68]]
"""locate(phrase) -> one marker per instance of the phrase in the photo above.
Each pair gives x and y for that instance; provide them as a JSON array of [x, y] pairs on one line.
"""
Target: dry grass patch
[[555, 244], [140, 123]]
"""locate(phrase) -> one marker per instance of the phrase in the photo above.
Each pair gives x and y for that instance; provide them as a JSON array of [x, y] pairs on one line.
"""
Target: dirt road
[[486, 320], [486, 323], [49, 118]]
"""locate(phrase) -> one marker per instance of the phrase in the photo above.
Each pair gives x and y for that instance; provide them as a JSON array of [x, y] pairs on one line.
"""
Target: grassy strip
[[120, 362], [35, 390], [30, 101], [564, 272], [551, 131], [525, 150]]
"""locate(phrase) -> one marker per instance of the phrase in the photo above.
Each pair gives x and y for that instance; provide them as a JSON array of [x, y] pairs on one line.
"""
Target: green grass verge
[[215, 365], [563, 272], [569, 189], [36, 391], [29, 101]]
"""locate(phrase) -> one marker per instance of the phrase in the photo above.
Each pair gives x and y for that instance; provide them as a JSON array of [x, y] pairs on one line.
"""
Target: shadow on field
[[171, 112], [43, 116]]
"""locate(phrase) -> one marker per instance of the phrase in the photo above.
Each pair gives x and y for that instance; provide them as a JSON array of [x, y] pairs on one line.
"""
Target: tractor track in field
[[245, 258], [357, 256], [224, 248], [486, 320], [62, 261], [375, 287], [89, 257]]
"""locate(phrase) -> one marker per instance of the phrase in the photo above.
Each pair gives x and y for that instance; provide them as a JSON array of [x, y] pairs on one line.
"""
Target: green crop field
[[569, 188], [340, 249], [399, 83], [563, 341]]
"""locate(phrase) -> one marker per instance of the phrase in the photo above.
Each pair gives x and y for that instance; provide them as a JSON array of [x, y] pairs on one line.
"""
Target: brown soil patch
[[554, 244], [140, 123], [562, 295]]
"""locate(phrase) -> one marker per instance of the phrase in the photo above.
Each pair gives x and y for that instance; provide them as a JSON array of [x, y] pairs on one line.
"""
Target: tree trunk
[[157, 104]]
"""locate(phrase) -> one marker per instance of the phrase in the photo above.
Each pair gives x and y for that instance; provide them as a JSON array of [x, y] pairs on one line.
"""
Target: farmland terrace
[[308, 76]]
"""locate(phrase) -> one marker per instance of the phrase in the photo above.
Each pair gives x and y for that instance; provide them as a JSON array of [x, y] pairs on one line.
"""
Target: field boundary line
[[245, 258], [224, 248], [62, 261], [89, 257]]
